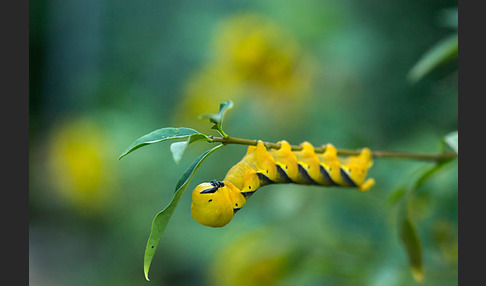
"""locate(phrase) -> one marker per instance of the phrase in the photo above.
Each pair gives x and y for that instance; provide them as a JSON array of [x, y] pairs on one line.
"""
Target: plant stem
[[343, 152]]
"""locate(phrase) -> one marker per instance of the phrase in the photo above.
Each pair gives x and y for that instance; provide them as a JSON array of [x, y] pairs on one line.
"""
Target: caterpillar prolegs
[[215, 203]]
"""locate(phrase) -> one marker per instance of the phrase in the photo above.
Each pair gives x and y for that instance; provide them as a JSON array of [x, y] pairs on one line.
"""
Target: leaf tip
[[452, 140], [229, 104], [146, 268], [126, 152], [418, 274], [146, 275]]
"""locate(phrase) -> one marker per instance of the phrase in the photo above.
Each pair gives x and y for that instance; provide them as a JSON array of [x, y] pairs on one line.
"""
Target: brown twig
[[344, 152]]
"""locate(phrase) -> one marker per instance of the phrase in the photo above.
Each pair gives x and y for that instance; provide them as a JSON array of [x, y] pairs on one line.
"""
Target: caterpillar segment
[[331, 165], [215, 203], [287, 164], [355, 168]]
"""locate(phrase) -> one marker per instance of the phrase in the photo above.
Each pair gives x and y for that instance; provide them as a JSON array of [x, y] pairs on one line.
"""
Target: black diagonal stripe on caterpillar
[[215, 203]]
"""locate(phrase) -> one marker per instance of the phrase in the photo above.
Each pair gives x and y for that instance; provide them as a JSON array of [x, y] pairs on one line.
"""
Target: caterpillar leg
[[355, 168], [367, 185]]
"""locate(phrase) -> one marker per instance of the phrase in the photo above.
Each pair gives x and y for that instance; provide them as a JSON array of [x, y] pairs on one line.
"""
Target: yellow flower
[[78, 166], [255, 61], [259, 52], [252, 259], [203, 93]]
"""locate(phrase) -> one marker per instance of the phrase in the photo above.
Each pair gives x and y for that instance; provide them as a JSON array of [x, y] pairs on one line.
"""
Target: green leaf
[[408, 236], [162, 218], [452, 140], [159, 135], [217, 118], [396, 195], [441, 52], [406, 228], [178, 148]]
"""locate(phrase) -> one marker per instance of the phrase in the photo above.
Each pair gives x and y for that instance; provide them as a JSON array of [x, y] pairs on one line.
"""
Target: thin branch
[[343, 152]]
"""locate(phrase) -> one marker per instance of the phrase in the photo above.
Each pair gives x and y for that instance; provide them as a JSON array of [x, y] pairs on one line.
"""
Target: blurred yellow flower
[[252, 259], [203, 93], [258, 51], [253, 60], [78, 166]]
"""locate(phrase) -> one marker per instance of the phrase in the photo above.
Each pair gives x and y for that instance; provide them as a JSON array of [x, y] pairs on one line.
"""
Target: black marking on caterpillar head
[[347, 179], [326, 176], [303, 173], [216, 185], [247, 194], [264, 180], [236, 209], [282, 177]]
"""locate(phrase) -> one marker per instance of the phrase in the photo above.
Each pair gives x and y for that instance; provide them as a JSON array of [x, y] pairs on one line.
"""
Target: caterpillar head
[[215, 203]]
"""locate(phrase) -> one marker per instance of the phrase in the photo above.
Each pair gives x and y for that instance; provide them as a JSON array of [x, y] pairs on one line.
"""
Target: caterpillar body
[[215, 203]]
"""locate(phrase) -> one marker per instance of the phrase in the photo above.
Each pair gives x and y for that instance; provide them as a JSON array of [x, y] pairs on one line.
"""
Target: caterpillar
[[215, 203]]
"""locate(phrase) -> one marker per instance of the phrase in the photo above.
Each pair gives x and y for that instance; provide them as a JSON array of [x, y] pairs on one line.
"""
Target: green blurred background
[[103, 73]]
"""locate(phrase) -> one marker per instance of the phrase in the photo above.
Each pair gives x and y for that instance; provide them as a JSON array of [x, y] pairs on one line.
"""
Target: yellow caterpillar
[[215, 203]]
